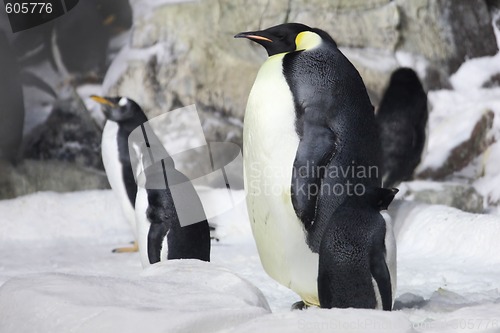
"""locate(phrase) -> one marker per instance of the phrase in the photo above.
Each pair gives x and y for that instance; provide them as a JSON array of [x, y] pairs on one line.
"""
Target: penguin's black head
[[288, 37], [405, 77], [118, 109]]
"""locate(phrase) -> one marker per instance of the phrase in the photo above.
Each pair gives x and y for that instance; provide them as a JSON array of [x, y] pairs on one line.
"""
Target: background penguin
[[402, 120], [166, 207], [123, 115], [12, 108], [11, 103], [80, 38], [357, 265], [309, 128]]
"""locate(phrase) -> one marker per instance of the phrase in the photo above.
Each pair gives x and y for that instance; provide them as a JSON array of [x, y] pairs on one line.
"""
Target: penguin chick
[[309, 128], [402, 121], [170, 218], [123, 115], [357, 265]]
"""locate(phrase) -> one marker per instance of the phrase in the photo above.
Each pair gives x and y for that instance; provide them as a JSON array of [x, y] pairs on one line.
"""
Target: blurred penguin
[[402, 121], [12, 109], [80, 39]]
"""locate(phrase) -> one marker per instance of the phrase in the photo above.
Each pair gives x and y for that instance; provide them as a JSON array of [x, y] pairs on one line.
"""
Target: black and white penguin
[[310, 139], [171, 222], [357, 263], [123, 115], [402, 120]]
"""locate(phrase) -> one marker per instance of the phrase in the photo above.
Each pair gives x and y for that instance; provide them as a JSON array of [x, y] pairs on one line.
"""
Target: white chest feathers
[[270, 145], [114, 169]]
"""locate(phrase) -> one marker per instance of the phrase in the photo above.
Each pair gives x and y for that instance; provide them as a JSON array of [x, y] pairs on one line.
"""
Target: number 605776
[[28, 8]]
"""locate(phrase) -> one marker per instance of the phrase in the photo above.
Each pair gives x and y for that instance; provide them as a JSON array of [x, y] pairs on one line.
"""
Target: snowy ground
[[448, 275]]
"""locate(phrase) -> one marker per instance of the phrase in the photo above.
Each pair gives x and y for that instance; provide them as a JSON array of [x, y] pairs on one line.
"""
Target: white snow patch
[[41, 219], [475, 72], [333, 320]]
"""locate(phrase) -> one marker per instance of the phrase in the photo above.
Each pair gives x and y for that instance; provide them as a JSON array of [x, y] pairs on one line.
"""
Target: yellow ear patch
[[307, 40]]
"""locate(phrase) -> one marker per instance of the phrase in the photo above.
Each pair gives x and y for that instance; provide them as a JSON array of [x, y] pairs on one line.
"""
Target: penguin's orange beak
[[102, 100], [253, 36]]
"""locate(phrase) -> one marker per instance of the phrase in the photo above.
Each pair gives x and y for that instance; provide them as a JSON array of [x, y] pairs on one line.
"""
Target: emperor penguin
[[357, 265], [123, 115], [171, 222], [402, 119], [309, 140]]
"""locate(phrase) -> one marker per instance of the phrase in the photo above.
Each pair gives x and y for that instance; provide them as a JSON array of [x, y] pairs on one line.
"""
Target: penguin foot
[[133, 248], [299, 306]]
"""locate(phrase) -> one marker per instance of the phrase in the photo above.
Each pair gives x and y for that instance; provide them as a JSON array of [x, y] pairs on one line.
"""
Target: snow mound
[[174, 296], [443, 232], [44, 218]]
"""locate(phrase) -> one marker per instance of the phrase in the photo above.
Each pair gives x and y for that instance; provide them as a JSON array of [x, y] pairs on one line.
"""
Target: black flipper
[[156, 234], [316, 148]]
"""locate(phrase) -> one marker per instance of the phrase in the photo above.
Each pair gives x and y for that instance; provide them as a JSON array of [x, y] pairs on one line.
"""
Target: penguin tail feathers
[[384, 197]]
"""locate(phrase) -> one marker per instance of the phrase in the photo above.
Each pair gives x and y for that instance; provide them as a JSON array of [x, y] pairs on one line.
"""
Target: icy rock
[[184, 53], [457, 195], [493, 81], [470, 139], [69, 134], [409, 300], [32, 175], [174, 296]]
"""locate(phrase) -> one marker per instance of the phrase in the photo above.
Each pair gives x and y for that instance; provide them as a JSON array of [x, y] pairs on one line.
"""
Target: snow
[[447, 130], [180, 296], [59, 275], [475, 72]]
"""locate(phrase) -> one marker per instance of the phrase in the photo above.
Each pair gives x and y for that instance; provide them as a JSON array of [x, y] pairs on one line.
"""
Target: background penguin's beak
[[253, 35], [102, 100]]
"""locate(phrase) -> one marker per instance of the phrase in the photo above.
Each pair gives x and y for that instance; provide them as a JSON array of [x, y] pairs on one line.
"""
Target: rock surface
[[69, 134], [461, 196], [201, 64], [461, 152], [52, 175]]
